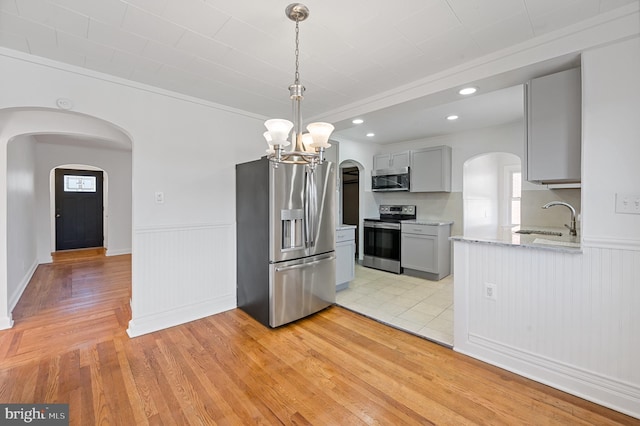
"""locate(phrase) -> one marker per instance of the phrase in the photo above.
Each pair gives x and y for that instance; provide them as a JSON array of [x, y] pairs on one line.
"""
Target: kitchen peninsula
[[531, 303]]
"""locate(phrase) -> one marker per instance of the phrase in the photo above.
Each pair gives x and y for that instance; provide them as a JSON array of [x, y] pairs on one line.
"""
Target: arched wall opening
[[351, 198], [491, 192], [34, 142]]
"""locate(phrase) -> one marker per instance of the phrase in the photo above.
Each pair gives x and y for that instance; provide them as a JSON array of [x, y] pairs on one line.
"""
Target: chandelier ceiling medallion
[[308, 148]]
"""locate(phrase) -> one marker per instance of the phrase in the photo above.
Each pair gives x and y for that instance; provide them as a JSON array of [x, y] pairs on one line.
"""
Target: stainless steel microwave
[[390, 179]]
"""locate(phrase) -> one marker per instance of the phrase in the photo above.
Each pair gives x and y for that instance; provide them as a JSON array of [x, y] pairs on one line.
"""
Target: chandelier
[[308, 148]]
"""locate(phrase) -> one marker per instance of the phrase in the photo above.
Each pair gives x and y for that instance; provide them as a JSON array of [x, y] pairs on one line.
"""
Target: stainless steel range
[[382, 238]]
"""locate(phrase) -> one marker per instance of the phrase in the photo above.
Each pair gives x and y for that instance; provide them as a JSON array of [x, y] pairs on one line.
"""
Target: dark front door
[[79, 209]]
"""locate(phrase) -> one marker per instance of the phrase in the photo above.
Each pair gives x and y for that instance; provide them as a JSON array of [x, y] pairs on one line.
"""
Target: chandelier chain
[[297, 52]]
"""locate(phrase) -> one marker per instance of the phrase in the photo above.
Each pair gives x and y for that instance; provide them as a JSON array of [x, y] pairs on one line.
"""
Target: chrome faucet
[[572, 228]]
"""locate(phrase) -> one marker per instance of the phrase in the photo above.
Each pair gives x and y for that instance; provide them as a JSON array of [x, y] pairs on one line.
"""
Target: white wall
[[116, 164], [181, 146], [481, 197], [611, 140], [21, 235]]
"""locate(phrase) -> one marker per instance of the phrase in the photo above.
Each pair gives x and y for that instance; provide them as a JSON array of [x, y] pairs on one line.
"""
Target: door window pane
[[79, 183]]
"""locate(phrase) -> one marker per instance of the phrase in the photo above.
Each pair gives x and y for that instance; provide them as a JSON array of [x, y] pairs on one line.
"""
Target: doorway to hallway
[[79, 209], [351, 199]]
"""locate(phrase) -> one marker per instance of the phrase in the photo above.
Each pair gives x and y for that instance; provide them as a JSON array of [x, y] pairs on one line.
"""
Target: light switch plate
[[159, 197], [628, 203]]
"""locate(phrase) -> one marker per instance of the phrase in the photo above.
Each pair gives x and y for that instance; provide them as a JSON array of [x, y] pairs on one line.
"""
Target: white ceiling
[[240, 53]]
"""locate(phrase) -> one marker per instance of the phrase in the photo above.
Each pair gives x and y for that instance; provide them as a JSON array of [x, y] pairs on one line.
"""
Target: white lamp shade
[[307, 141], [267, 136], [279, 131], [320, 133]]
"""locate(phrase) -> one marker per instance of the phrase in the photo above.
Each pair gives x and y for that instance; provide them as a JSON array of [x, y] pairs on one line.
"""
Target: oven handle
[[381, 225]]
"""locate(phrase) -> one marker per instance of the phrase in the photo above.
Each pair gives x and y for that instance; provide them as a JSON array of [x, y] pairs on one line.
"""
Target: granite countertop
[[564, 243], [344, 227], [430, 222]]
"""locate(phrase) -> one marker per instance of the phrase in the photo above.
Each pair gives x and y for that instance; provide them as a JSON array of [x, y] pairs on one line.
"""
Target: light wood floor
[[69, 345]]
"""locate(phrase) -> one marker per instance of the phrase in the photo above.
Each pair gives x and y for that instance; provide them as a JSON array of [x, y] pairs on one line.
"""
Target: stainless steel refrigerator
[[285, 226]]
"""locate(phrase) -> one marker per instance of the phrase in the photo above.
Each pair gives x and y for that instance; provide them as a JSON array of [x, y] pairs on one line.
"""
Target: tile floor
[[413, 304]]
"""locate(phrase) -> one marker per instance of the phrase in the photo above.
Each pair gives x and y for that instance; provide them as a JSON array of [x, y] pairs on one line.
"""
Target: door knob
[[57, 214]]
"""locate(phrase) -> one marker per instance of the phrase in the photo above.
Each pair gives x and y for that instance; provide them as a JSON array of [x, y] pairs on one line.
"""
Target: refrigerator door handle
[[310, 209], [303, 265], [306, 209]]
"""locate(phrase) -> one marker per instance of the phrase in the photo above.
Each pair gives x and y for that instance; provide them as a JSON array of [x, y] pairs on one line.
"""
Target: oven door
[[382, 240]]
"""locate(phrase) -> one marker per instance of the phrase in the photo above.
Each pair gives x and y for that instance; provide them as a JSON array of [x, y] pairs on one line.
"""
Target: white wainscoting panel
[[181, 273], [568, 320]]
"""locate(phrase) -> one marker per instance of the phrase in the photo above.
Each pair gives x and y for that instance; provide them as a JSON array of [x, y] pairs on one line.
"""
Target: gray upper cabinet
[[553, 110], [431, 169], [395, 160]]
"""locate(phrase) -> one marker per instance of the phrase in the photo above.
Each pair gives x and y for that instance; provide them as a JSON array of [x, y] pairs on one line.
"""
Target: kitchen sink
[[539, 232]]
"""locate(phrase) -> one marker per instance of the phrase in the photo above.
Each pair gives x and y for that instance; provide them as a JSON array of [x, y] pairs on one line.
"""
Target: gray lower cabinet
[[345, 257], [426, 250]]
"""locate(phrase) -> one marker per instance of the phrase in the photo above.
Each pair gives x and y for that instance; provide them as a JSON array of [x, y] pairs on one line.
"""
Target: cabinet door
[[420, 252], [400, 160], [553, 112], [345, 262], [381, 162], [396, 160], [431, 170]]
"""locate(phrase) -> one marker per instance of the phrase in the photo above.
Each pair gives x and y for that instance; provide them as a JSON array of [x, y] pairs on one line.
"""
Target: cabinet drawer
[[419, 229], [345, 235]]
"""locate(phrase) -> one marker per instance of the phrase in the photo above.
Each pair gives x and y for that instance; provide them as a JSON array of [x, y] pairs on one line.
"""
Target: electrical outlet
[[490, 291], [628, 203]]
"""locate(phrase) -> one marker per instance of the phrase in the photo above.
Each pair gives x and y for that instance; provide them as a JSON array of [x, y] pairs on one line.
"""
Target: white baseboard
[[6, 322], [118, 252], [15, 297], [605, 391], [162, 320]]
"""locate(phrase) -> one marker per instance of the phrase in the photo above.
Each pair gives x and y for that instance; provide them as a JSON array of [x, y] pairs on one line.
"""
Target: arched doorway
[[351, 190], [35, 141], [491, 194]]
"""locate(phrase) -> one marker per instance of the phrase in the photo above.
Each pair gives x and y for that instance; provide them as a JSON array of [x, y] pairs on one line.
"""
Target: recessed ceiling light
[[452, 117], [468, 90], [358, 121], [370, 135]]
